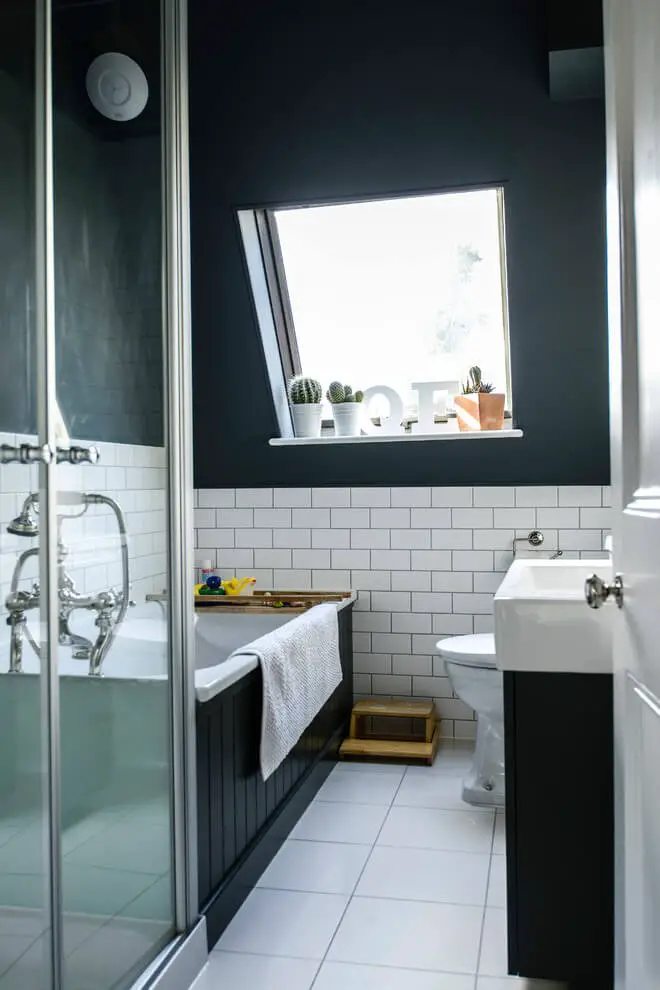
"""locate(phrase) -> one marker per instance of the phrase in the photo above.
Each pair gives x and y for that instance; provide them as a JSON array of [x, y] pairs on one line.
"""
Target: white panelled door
[[633, 200]]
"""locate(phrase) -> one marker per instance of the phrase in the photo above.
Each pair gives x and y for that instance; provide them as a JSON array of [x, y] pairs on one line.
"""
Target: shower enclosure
[[97, 813]]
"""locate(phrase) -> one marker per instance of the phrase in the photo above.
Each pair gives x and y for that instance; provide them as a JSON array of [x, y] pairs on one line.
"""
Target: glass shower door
[[114, 686], [94, 763], [26, 710]]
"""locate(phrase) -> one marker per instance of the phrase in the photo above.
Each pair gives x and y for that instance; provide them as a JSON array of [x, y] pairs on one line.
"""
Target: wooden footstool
[[388, 747]]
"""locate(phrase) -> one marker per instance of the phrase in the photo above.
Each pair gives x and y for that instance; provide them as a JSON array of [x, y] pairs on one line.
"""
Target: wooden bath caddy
[[388, 747], [293, 602]]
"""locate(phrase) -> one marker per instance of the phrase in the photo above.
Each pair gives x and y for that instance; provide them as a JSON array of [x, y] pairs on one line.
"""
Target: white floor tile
[[325, 821], [426, 875], [126, 846], [285, 923], [493, 960], [236, 971], [23, 921], [514, 983], [408, 934], [430, 828], [349, 766], [451, 759], [12, 948], [323, 867], [433, 790], [499, 840], [105, 959], [347, 976], [360, 787], [497, 883], [31, 970]]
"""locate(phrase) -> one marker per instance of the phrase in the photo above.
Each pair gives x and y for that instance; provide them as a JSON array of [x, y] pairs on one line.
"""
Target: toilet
[[470, 663]]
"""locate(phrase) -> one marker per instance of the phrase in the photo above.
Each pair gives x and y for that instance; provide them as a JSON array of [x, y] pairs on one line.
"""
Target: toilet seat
[[476, 650]]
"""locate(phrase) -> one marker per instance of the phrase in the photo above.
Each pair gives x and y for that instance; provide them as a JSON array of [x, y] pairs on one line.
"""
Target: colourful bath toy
[[239, 586]]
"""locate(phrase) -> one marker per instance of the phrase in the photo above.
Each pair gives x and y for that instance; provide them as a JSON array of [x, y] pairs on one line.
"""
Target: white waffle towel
[[301, 668]]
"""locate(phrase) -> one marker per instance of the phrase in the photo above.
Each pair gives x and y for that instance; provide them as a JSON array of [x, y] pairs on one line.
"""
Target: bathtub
[[140, 648], [218, 634], [242, 820], [115, 740]]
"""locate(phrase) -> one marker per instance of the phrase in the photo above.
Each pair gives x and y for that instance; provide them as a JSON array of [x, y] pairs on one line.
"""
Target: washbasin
[[542, 621]]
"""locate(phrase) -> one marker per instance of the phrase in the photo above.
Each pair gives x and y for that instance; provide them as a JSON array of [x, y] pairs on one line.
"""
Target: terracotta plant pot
[[480, 411]]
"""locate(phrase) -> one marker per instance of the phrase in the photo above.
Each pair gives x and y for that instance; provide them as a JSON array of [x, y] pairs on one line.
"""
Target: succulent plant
[[475, 382], [336, 392], [304, 391], [342, 393]]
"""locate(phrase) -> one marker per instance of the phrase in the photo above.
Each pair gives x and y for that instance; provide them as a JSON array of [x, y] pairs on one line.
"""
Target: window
[[390, 292]]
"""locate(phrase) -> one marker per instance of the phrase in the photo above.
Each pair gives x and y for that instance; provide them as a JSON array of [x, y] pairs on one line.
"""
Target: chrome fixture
[[161, 598], [534, 540], [26, 453], [25, 524], [78, 455], [597, 591], [110, 605]]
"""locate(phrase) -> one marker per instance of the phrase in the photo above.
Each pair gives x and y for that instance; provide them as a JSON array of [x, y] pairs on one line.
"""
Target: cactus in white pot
[[305, 397], [346, 409]]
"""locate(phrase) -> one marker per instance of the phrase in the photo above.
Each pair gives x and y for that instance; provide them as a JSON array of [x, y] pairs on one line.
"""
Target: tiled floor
[[117, 892], [389, 882]]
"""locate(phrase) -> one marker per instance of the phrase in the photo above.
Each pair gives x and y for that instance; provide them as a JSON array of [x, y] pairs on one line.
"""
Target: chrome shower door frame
[[178, 431]]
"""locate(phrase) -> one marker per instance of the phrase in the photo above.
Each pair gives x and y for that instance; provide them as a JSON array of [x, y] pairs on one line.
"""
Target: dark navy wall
[[107, 230], [296, 101]]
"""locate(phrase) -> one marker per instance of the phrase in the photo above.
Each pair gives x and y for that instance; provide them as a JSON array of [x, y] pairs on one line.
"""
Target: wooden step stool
[[392, 747]]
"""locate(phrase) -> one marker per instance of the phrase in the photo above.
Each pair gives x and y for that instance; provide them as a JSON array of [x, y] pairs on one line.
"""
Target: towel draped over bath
[[301, 668]]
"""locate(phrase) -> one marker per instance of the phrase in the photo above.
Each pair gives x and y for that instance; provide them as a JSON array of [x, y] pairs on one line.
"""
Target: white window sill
[[450, 434]]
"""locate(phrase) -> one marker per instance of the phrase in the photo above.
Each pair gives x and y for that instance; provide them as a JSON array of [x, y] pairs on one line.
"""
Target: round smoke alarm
[[117, 86]]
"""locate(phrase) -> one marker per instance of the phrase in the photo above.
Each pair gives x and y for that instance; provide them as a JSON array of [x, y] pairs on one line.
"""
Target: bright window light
[[390, 292]]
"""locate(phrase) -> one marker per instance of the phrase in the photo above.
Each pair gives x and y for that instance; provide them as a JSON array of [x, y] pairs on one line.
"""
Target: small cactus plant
[[338, 393], [304, 391], [475, 383]]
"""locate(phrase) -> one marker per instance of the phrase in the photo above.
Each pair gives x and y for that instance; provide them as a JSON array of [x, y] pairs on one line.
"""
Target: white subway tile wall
[[425, 562], [135, 477]]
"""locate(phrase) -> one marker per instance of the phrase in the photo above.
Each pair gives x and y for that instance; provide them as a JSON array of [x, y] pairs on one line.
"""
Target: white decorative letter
[[426, 391], [390, 424]]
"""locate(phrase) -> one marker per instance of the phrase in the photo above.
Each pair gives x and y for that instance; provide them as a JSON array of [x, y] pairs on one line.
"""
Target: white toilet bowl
[[470, 663]]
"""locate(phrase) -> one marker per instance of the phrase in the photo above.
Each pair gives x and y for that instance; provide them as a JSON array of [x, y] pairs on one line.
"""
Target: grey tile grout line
[[407, 969], [350, 899], [483, 916], [6, 972]]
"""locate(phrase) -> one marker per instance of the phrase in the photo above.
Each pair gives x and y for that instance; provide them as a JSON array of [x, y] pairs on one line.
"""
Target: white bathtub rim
[[210, 681]]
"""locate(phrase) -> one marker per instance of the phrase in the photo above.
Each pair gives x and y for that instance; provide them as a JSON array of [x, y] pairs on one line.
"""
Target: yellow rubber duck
[[238, 586]]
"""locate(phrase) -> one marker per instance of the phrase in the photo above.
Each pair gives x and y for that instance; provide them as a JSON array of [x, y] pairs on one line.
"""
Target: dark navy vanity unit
[[560, 827]]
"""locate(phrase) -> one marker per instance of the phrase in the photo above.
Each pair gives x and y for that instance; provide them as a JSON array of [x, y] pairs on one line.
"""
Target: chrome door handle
[[78, 455], [597, 591], [26, 453]]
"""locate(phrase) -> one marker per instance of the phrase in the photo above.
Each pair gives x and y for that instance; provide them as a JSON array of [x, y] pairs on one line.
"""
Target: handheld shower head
[[25, 524]]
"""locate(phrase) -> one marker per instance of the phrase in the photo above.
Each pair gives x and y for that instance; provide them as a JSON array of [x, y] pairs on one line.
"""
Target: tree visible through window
[[390, 292]]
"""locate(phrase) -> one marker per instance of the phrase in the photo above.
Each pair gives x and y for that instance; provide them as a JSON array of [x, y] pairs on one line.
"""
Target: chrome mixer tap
[[110, 605]]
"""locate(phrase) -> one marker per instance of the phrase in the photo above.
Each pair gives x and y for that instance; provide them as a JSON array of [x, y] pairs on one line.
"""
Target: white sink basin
[[542, 622]]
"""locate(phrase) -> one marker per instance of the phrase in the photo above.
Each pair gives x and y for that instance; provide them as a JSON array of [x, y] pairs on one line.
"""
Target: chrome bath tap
[[110, 605]]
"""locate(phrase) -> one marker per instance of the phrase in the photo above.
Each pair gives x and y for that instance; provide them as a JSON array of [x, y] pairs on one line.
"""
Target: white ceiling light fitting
[[117, 86]]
